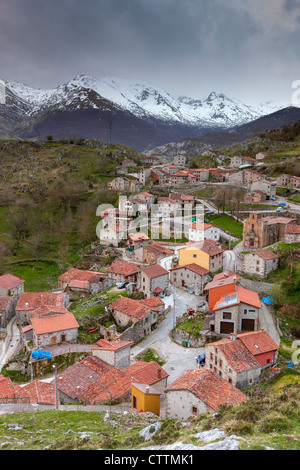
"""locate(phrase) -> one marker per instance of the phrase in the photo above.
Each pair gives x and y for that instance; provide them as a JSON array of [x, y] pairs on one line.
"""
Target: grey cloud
[[187, 47]]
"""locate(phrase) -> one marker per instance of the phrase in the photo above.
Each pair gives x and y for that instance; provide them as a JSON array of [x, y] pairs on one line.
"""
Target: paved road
[[11, 343], [178, 359]]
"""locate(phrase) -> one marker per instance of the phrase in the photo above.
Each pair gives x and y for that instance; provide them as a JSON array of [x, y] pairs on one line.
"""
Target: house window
[[194, 256], [227, 315], [245, 311], [194, 410]]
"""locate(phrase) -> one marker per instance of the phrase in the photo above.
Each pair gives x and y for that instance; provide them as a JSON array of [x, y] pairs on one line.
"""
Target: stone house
[[151, 160], [200, 391], [267, 187], [181, 160], [137, 240], [283, 180], [292, 234], [153, 281], [11, 285], [89, 282], [263, 231], [255, 196], [238, 160], [260, 263], [115, 353], [191, 276], [236, 311], [153, 253], [137, 317], [251, 176], [28, 302], [240, 359], [124, 271], [295, 181], [7, 310], [54, 329]]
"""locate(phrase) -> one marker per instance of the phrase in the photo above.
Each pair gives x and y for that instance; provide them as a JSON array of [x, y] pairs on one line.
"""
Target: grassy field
[[227, 223]]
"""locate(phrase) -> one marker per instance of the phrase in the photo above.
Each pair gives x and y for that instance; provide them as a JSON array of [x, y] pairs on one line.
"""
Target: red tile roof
[[112, 345], [54, 323], [258, 342], [223, 279], [152, 301], [236, 354], [156, 248], [39, 392], [267, 254], [46, 310], [130, 307], [78, 275], [154, 271], [195, 268], [99, 382], [146, 372], [8, 389], [33, 300], [209, 388], [8, 281], [239, 295], [124, 268], [82, 374]]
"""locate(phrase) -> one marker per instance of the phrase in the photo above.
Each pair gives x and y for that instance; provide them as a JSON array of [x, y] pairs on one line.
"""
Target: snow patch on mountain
[[143, 100]]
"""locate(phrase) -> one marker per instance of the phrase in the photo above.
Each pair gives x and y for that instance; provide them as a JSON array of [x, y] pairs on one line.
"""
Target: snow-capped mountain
[[142, 114], [141, 99]]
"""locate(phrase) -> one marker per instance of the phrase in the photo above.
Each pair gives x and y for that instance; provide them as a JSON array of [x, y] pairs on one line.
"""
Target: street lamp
[[56, 390]]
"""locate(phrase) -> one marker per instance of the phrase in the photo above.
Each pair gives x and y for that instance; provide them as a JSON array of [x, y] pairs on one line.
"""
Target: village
[[173, 264]]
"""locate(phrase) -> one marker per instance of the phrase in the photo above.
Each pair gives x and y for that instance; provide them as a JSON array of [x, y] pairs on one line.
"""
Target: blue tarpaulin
[[41, 355], [268, 300]]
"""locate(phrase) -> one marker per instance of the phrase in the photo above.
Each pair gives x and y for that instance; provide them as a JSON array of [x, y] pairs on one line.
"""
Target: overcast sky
[[249, 49]]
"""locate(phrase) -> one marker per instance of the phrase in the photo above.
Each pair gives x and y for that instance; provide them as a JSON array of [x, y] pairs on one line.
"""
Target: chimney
[[147, 389], [159, 373], [233, 336]]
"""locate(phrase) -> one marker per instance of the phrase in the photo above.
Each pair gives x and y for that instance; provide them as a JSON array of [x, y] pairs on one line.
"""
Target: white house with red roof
[[198, 231], [260, 263], [115, 353], [11, 285]]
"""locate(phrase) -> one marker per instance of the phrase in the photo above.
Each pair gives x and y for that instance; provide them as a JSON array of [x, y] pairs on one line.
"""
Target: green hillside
[[49, 193]]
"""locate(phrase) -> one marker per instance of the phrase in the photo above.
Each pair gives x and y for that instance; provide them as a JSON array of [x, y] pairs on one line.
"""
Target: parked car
[[122, 285]]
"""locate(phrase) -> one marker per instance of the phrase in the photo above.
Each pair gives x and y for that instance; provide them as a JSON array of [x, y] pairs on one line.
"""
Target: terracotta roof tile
[[195, 268], [54, 323], [267, 254], [124, 268], [112, 345], [236, 354], [239, 295], [258, 342], [33, 300], [292, 229], [209, 388], [130, 307], [154, 271], [146, 372], [39, 392], [8, 281]]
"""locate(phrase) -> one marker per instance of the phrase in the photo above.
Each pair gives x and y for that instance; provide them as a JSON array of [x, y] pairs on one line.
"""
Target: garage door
[[227, 327], [248, 325]]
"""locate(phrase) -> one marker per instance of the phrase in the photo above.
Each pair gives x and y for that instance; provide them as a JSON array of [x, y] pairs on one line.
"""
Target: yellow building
[[145, 398], [208, 254]]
